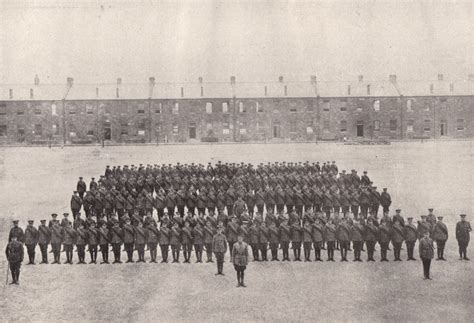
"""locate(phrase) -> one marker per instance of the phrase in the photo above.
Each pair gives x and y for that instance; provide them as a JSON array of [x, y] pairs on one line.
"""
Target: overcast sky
[[253, 41]]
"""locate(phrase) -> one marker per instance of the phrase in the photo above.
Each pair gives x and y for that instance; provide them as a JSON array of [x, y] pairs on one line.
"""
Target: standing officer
[[240, 256], [253, 240], [116, 238], [463, 228], [263, 240], [69, 239], [440, 235], [128, 239], [31, 239], [76, 204], [274, 240], [153, 235], [342, 235], [307, 240], [208, 239], [14, 253], [317, 237], [357, 237], [140, 241], [285, 233], [198, 240], [232, 232], [93, 241], [187, 241], [426, 250], [397, 239], [56, 240], [175, 241], [17, 232], [423, 226], [81, 187], [384, 239], [219, 247], [371, 234], [81, 241], [330, 238], [104, 237], [44, 237], [410, 235], [385, 200], [296, 238]]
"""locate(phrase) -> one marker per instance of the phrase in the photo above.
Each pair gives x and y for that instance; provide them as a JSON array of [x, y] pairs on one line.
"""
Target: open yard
[[35, 182]]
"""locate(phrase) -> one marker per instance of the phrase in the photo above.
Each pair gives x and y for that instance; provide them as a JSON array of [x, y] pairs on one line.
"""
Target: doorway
[[192, 131], [276, 130], [360, 130], [21, 135], [443, 128], [107, 131]]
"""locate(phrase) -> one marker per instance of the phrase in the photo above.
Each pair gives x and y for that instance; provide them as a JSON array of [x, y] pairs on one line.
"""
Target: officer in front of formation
[[17, 232], [14, 253], [463, 229]]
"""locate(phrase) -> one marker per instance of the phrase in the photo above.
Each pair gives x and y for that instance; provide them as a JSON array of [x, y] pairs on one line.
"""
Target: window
[[460, 125], [3, 130], [326, 105], [377, 105], [208, 107], [343, 109], [54, 129], [72, 130], [309, 127], [225, 107], [90, 132], [176, 108], [175, 129], [54, 110], [124, 129], [89, 109], [38, 110], [343, 125], [158, 108], [72, 110], [241, 107], [293, 126], [409, 105], [376, 125], [3, 109], [243, 131], [393, 125], [443, 99], [410, 127], [326, 125], [225, 128], [141, 125], [293, 109], [427, 126], [141, 109], [20, 111], [38, 130], [258, 107]]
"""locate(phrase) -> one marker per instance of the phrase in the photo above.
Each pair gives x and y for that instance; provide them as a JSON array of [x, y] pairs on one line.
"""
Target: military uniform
[[187, 242], [140, 239], [44, 237], [219, 247], [175, 242], [397, 239], [240, 261], [296, 238], [440, 235], [14, 253], [463, 229], [426, 250], [116, 239], [57, 234], [93, 241], [104, 238], [81, 241], [164, 242], [410, 235], [153, 235], [31, 239], [208, 239], [330, 238], [370, 237], [198, 241]]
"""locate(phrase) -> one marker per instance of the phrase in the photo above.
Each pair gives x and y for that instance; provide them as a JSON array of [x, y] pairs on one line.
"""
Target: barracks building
[[236, 111]]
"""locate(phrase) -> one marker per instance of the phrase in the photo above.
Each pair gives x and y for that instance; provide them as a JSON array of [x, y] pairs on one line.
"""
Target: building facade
[[236, 112]]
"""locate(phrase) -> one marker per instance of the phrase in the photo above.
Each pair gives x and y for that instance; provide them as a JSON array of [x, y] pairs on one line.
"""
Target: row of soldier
[[314, 231]]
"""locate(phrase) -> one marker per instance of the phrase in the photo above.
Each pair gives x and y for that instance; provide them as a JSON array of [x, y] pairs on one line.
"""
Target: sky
[[97, 41]]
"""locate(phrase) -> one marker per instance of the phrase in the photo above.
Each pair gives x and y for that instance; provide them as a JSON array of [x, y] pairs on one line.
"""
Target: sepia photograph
[[236, 161]]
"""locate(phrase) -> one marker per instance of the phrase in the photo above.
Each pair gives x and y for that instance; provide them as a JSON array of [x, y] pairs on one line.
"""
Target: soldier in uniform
[[164, 241], [296, 238], [307, 240], [397, 238], [153, 235], [208, 238], [31, 239], [69, 239], [426, 250], [81, 187], [463, 229], [410, 235], [14, 253], [431, 218], [104, 238], [240, 256], [370, 236], [76, 204], [330, 238], [140, 239], [128, 239], [219, 247], [384, 239], [116, 239], [398, 217], [232, 232], [198, 241], [81, 241], [253, 240], [343, 236], [263, 235], [285, 233], [423, 226], [56, 241], [385, 200], [44, 237], [187, 241], [357, 232], [93, 241], [175, 242], [17, 232], [274, 239], [440, 235]]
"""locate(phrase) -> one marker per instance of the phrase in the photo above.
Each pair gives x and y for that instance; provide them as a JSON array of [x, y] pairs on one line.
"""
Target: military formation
[[273, 207]]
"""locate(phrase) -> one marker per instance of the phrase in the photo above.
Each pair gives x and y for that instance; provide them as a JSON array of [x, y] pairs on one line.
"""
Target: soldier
[[274, 239], [140, 241], [330, 238], [240, 259], [76, 204], [463, 229], [120, 203], [370, 236], [250, 202], [187, 241], [93, 241], [440, 235], [208, 238], [384, 239], [296, 238], [44, 237], [364, 179], [239, 207], [397, 239], [365, 200], [343, 236], [317, 238], [198, 240], [431, 219], [423, 226], [175, 242], [81, 187], [357, 233], [56, 240], [398, 216], [426, 250], [191, 201], [92, 184], [53, 220], [17, 232], [410, 235], [78, 221], [180, 201], [128, 239], [104, 237], [232, 232], [31, 239], [375, 201], [385, 200], [81, 241], [219, 247], [65, 221], [116, 239], [202, 201], [260, 200], [164, 240], [153, 235], [160, 203], [307, 240], [253, 240], [69, 239], [14, 253], [263, 235]]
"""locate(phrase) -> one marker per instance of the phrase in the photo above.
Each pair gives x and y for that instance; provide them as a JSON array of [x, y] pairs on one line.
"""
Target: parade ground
[[35, 182]]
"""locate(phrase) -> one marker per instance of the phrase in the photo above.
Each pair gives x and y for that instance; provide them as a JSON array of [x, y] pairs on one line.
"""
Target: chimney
[[119, 81], [10, 93], [37, 80], [117, 92], [348, 90], [286, 90], [440, 77], [313, 79], [431, 88], [232, 80], [392, 78], [266, 90], [361, 78], [31, 94], [470, 77], [152, 80], [451, 87], [182, 92], [280, 79], [200, 79], [368, 89], [70, 81], [97, 92]]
